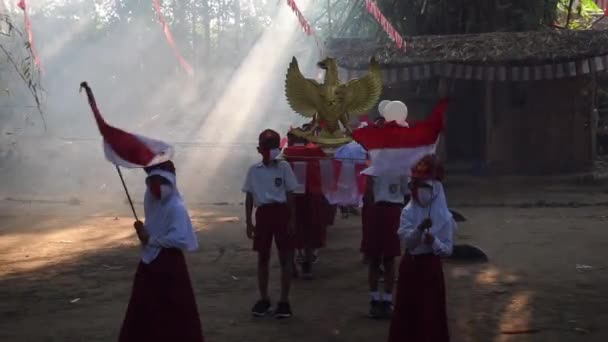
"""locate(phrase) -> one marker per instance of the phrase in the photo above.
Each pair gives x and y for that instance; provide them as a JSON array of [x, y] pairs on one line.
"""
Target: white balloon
[[382, 106], [396, 111]]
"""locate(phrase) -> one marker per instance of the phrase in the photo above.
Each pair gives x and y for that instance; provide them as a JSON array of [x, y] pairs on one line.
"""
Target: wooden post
[[594, 118], [329, 30], [488, 110]]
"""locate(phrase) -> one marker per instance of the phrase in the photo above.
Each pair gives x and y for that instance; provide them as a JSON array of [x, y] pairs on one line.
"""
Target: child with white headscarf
[[427, 230], [163, 305]]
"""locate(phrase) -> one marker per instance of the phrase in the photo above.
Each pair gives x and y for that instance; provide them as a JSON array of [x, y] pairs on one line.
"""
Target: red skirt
[[311, 221], [420, 312], [380, 235], [162, 306]]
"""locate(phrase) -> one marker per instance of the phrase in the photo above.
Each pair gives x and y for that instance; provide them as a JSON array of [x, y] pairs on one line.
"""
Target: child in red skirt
[[427, 229], [162, 306], [269, 186], [381, 245], [311, 205]]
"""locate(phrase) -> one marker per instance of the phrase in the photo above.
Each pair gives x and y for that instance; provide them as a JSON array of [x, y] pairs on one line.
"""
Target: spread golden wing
[[361, 94], [303, 95]]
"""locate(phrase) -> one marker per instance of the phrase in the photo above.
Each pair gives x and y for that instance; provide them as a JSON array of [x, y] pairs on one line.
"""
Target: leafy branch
[[25, 67]]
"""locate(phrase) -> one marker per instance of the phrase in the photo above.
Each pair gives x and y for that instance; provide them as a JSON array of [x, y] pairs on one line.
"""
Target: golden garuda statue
[[332, 102]]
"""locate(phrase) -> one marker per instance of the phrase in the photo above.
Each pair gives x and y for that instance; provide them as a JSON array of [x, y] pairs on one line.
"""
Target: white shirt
[[390, 189], [270, 183]]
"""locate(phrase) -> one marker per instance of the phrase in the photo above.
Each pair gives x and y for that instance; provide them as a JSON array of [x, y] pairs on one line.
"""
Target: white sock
[[388, 297], [375, 295]]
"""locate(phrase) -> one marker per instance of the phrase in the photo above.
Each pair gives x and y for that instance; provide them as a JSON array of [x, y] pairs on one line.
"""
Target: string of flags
[[161, 19], [30, 36], [372, 8]]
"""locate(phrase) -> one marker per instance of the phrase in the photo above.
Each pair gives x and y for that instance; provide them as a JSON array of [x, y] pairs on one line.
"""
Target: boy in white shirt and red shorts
[[381, 243], [269, 186]]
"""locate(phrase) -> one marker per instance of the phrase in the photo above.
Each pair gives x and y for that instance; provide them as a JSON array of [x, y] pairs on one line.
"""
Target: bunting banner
[[304, 24], [373, 9], [161, 19], [30, 35]]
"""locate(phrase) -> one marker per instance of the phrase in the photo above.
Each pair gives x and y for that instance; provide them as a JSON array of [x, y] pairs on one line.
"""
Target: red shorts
[[380, 237], [271, 221], [311, 221]]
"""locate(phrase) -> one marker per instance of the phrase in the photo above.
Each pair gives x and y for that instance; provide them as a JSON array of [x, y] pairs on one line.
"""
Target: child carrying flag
[[427, 229]]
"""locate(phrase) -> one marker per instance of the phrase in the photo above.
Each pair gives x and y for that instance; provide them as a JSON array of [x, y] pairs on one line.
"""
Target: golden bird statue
[[332, 102]]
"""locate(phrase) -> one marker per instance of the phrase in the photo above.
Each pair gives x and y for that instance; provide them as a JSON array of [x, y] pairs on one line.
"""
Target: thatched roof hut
[[502, 56], [524, 102]]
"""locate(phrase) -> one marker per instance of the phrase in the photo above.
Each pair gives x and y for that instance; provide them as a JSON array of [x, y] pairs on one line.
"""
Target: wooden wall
[[532, 128], [539, 127]]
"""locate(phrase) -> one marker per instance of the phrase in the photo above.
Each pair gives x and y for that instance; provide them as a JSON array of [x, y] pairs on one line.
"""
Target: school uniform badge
[[278, 182], [393, 188]]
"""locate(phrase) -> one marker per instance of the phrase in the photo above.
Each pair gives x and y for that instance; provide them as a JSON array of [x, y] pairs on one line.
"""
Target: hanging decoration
[[30, 36], [303, 22], [305, 25], [161, 19], [373, 9]]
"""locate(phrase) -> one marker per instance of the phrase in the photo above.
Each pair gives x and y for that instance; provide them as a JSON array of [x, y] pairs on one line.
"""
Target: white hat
[[382, 106], [396, 111]]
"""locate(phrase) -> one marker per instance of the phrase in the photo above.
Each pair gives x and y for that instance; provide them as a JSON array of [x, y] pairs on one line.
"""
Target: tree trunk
[[206, 24], [237, 23]]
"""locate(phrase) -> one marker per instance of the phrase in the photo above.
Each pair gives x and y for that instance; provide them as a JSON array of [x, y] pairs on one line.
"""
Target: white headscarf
[[167, 221], [437, 211]]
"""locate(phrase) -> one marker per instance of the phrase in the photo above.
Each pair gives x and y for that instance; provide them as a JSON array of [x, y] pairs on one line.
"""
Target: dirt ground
[[66, 272]]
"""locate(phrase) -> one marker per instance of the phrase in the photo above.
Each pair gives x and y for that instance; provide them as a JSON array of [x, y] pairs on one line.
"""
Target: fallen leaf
[[75, 300]]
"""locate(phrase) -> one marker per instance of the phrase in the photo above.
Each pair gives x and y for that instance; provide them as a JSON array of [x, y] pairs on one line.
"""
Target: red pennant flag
[[125, 149]]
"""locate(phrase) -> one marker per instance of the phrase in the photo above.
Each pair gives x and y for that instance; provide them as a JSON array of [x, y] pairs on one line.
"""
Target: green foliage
[[582, 15]]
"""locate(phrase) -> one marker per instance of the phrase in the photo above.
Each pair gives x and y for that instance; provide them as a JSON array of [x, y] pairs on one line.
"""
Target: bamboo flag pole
[[124, 185]]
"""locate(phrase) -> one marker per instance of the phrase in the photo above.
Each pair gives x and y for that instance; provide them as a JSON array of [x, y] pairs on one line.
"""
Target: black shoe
[[283, 311], [261, 308], [375, 310], [387, 310]]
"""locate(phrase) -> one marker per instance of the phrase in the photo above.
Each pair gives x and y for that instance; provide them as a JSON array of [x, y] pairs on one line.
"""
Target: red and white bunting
[[161, 19], [30, 35], [303, 22], [373, 9]]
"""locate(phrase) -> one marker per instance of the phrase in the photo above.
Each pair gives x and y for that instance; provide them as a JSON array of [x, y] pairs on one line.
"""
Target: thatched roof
[[500, 48]]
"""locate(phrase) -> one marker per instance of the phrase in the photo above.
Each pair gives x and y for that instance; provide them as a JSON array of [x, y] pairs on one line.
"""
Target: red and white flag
[[393, 150], [126, 149]]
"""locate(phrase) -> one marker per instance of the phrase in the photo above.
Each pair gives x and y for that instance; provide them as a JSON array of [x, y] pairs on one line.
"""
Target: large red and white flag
[[126, 149], [393, 150]]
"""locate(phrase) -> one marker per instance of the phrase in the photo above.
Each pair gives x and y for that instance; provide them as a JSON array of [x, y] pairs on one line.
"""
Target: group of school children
[[163, 305]]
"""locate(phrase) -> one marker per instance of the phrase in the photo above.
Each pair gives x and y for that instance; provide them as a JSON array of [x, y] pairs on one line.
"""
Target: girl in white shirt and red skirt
[[427, 229], [163, 306]]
